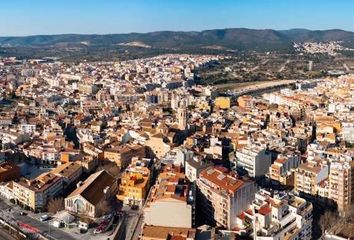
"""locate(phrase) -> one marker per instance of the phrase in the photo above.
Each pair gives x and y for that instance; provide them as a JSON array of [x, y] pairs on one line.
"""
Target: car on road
[[44, 217], [23, 213], [105, 224]]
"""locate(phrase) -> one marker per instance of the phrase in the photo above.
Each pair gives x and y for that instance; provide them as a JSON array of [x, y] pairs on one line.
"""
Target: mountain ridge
[[229, 38], [95, 47]]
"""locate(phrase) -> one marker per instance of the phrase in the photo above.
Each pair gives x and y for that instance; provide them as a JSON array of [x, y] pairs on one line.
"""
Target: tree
[[328, 220], [55, 205]]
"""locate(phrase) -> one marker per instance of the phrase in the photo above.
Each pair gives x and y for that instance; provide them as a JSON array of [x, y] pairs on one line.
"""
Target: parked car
[[104, 225], [58, 224], [83, 226], [44, 217], [23, 213]]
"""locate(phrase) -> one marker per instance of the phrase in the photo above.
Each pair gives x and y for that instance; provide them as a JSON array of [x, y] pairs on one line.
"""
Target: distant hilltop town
[[331, 48]]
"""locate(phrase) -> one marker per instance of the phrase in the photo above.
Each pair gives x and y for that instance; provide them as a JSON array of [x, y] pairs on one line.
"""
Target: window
[[79, 205]]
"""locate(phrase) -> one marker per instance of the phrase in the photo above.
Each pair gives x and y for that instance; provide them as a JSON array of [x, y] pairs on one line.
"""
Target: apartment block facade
[[223, 196]]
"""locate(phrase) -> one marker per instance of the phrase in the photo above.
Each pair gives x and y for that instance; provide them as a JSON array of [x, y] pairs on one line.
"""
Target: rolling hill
[[233, 38], [94, 47]]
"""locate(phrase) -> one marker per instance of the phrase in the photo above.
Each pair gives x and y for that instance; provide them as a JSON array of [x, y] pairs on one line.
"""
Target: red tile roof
[[264, 210], [223, 180]]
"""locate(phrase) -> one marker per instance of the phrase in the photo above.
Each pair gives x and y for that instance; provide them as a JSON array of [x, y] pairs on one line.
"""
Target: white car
[[44, 217], [84, 226], [58, 224]]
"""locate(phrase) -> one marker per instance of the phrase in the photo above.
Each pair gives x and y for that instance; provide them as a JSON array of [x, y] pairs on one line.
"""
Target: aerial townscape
[[219, 134]]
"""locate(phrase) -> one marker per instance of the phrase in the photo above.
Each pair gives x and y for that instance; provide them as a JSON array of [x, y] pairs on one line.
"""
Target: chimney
[[105, 190]]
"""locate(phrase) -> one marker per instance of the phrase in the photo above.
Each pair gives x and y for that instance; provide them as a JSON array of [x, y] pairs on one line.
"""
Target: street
[[43, 227], [138, 228], [134, 220]]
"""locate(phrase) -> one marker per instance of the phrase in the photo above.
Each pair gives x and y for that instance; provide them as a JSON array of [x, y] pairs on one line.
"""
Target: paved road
[[282, 68], [346, 67], [138, 228], [43, 227], [131, 223], [134, 219]]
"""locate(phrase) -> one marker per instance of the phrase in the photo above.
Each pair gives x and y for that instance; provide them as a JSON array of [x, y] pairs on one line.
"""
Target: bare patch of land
[[253, 85]]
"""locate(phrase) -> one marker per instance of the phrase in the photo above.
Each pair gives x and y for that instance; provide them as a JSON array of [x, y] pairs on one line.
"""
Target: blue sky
[[29, 17]]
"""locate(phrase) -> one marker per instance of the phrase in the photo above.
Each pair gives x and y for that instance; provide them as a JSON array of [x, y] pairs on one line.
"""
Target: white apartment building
[[177, 156], [283, 168], [277, 215], [348, 131], [87, 135], [255, 160], [13, 137], [308, 176], [28, 128], [193, 168], [50, 156]]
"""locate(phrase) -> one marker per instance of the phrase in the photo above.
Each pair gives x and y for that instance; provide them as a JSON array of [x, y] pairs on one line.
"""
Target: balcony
[[291, 233]]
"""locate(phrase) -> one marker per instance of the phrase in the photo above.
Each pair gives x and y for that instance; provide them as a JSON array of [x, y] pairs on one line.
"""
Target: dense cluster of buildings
[[142, 133], [331, 48]]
